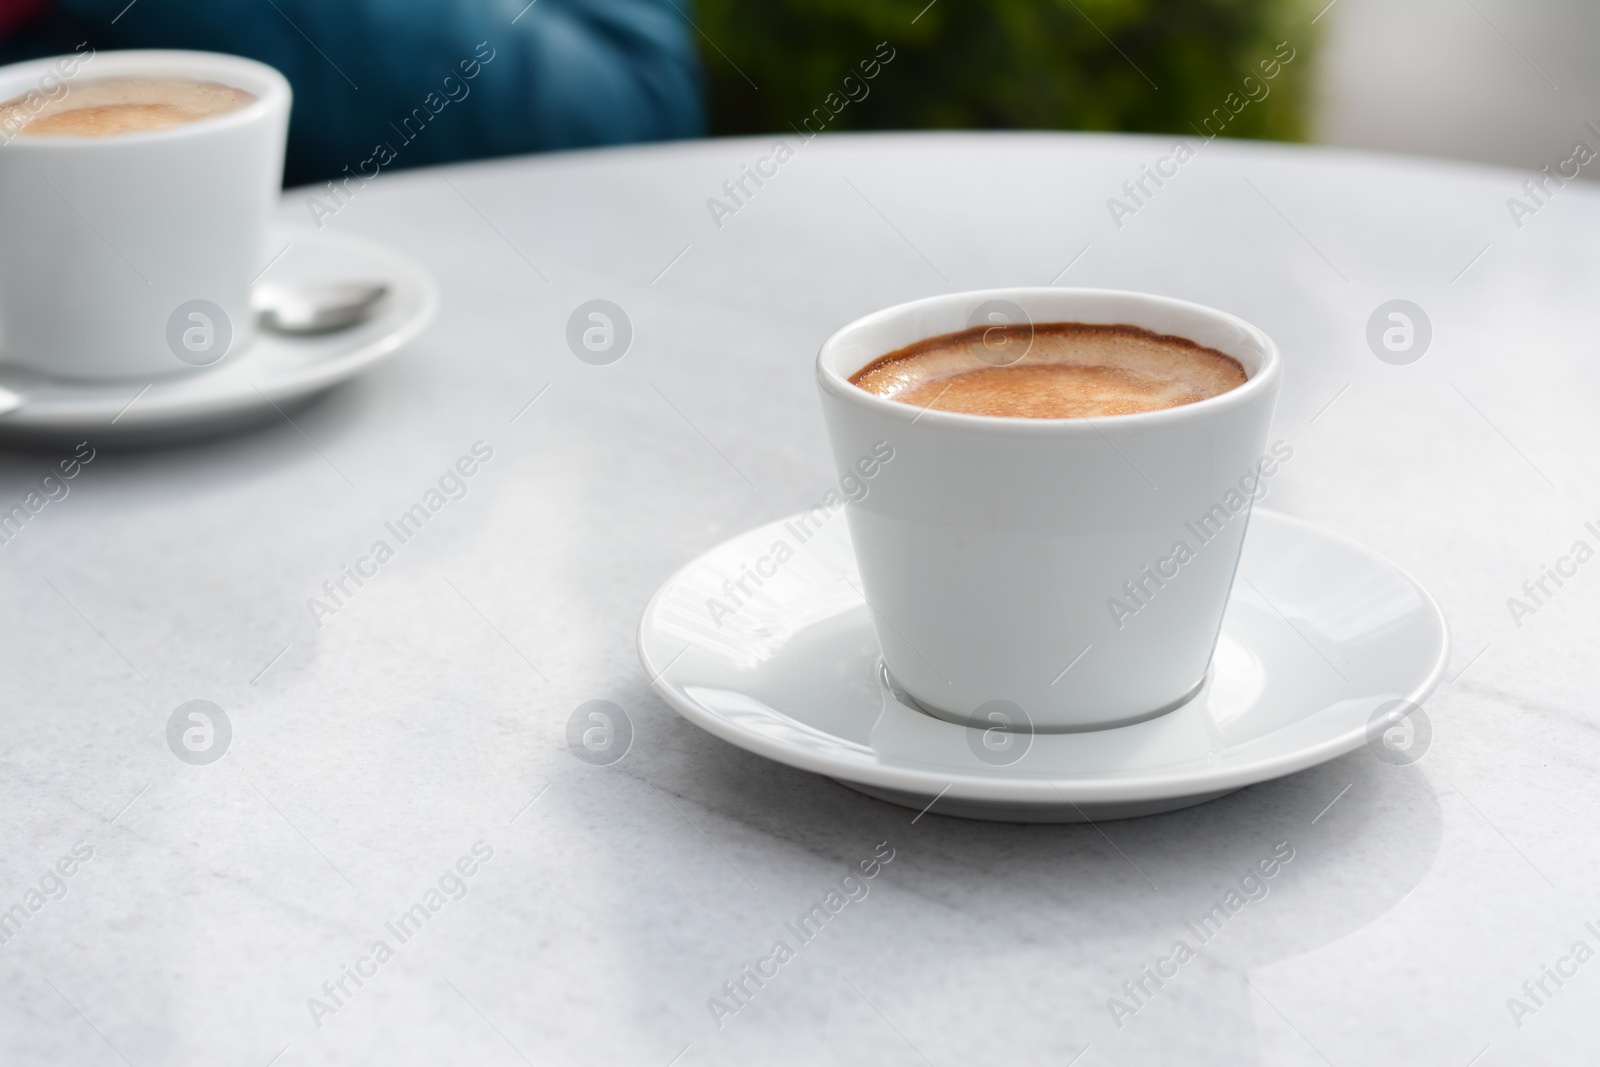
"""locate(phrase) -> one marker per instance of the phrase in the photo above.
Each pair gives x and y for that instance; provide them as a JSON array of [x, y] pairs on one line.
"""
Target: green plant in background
[[1138, 65]]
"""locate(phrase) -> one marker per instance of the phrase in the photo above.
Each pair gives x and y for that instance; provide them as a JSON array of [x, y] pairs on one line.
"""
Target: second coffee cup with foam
[[136, 190], [1054, 542]]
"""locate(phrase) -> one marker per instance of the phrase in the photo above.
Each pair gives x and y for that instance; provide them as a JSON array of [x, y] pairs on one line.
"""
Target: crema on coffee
[[1055, 370], [110, 107]]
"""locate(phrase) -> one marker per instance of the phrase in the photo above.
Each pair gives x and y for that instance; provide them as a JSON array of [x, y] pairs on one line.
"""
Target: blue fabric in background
[[551, 75]]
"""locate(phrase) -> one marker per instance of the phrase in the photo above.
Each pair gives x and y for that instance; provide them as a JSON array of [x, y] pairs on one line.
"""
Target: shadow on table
[[1005, 941]]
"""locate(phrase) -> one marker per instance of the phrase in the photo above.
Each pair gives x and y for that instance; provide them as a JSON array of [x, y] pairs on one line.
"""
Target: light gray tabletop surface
[[428, 715]]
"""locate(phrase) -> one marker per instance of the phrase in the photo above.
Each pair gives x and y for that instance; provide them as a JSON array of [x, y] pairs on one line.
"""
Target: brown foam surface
[[107, 107], [1063, 370]]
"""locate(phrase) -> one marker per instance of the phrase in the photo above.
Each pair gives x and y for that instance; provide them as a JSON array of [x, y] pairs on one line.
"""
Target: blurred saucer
[[273, 371], [1323, 645]]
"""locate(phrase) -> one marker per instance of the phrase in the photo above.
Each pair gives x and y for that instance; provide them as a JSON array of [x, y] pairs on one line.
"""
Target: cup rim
[[1264, 379], [266, 82]]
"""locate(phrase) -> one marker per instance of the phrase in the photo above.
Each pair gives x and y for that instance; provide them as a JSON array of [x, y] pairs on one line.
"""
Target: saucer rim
[[64, 413], [1036, 790]]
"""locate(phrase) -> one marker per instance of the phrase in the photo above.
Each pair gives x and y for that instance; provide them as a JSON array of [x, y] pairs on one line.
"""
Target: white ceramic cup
[[993, 552], [111, 246]]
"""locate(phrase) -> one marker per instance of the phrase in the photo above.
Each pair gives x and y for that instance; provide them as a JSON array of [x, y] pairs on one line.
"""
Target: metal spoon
[[315, 307]]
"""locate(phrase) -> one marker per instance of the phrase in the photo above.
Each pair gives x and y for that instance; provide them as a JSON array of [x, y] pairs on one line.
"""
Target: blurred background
[[1142, 65], [1498, 81]]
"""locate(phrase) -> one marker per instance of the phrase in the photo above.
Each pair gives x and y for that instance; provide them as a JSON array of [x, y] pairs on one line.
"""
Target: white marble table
[[430, 711]]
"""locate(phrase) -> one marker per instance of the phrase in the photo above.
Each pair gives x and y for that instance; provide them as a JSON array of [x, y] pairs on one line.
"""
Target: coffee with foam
[[1051, 371], [110, 107]]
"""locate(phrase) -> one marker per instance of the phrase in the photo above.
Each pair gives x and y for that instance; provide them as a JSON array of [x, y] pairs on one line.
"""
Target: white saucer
[[1319, 635], [274, 369]]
